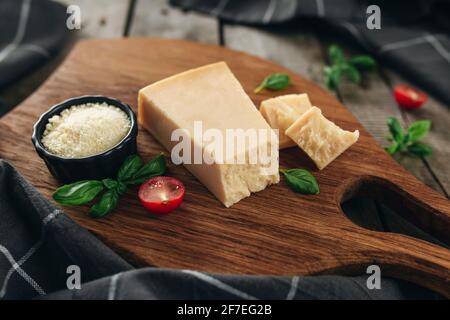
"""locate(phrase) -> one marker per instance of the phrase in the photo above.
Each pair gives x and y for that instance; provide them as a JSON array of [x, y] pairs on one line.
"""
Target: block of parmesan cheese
[[320, 138], [213, 96], [281, 112]]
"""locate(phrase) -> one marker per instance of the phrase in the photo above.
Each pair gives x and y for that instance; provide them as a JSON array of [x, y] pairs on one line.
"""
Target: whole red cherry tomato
[[162, 194], [408, 97]]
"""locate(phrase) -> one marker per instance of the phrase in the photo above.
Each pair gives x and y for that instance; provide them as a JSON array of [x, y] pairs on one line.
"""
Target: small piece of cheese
[[320, 138], [281, 112], [210, 94]]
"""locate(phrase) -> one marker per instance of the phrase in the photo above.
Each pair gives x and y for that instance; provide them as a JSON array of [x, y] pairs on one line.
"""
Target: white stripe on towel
[[220, 285], [20, 33]]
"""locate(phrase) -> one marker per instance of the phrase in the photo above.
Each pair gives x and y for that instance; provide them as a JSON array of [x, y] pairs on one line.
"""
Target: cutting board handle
[[415, 202], [415, 260]]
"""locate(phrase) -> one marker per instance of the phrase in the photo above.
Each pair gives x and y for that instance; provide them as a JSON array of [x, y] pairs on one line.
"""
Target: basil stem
[[110, 183], [121, 188]]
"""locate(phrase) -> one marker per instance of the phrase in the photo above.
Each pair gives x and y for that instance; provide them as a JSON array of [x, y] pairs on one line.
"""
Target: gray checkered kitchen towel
[[414, 37], [38, 243], [31, 31]]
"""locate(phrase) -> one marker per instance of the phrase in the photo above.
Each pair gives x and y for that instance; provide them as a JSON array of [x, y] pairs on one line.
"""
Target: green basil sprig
[[407, 140], [276, 81], [301, 181], [133, 171], [350, 68]]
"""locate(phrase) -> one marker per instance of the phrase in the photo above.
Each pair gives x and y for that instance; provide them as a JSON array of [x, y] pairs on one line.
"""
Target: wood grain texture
[[272, 232], [101, 18], [438, 137], [157, 18], [300, 52], [304, 53], [373, 104]]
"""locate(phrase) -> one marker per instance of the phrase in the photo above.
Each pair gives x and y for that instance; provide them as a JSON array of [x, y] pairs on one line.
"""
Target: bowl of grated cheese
[[86, 137]]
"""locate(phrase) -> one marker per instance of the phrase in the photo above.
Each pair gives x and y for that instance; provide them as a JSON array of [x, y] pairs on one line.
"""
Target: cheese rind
[[322, 140], [210, 94], [282, 111]]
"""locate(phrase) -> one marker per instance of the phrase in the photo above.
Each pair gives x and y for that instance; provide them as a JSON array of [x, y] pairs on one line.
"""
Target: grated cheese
[[85, 130]]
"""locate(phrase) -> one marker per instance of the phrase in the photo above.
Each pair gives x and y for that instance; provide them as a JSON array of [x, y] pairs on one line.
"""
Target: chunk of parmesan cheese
[[281, 112], [85, 130], [214, 97], [321, 139]]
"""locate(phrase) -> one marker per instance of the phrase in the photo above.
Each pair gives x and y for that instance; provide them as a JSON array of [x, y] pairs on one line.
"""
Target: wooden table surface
[[302, 51]]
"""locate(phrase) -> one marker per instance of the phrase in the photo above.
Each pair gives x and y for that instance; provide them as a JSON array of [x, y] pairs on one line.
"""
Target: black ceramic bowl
[[99, 166]]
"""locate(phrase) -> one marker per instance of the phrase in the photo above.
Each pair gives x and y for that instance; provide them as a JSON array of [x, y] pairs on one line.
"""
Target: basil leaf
[[395, 129], [332, 77], [420, 149], [110, 183], [106, 204], [131, 165], [301, 181], [393, 148], [351, 72], [155, 167], [363, 62], [78, 193], [335, 54], [418, 130], [276, 81]]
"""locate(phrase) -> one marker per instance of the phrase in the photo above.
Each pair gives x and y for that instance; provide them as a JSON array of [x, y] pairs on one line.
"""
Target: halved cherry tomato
[[162, 194], [408, 97]]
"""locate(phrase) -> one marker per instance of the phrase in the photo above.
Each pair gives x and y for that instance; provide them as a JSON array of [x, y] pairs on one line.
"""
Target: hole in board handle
[[377, 204]]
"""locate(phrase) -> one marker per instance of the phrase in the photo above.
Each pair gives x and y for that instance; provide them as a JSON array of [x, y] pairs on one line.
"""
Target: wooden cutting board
[[275, 231]]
